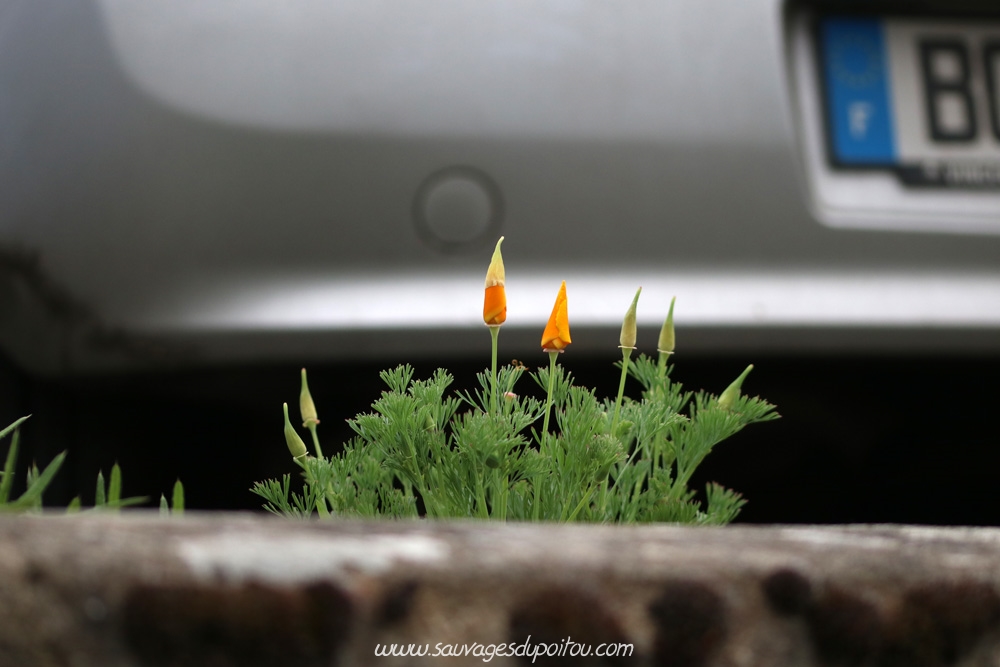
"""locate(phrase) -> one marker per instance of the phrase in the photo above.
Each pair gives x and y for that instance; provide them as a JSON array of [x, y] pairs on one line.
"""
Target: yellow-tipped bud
[[292, 439], [495, 299], [727, 399], [495, 273], [627, 339], [306, 406], [665, 344]]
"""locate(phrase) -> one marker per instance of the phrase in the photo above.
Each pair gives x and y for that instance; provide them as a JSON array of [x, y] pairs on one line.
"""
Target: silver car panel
[[203, 181]]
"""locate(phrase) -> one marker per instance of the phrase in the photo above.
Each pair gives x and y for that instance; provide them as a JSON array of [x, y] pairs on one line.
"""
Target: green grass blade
[[100, 497], [32, 475], [178, 500], [74, 506], [39, 483], [8, 468], [12, 427], [164, 507], [127, 502], [115, 486]]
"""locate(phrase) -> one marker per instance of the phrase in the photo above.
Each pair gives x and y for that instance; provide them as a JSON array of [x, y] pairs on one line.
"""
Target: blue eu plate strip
[[858, 105]]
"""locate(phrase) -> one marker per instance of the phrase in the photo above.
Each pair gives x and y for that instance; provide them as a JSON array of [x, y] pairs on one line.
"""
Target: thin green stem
[[581, 504], [626, 354], [502, 515], [603, 503], [494, 334], [661, 365], [536, 496], [543, 437], [321, 507], [481, 497], [312, 430], [548, 397]]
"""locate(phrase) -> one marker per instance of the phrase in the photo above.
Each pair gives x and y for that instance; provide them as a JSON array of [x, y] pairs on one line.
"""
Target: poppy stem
[[626, 354], [494, 333], [548, 397], [315, 439]]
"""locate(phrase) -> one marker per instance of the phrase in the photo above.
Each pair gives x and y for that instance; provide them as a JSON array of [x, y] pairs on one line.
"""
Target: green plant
[[418, 452], [107, 495], [175, 507], [37, 481], [424, 451]]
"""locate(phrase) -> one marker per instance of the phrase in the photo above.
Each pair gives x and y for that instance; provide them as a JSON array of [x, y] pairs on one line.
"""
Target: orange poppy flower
[[495, 301], [556, 335]]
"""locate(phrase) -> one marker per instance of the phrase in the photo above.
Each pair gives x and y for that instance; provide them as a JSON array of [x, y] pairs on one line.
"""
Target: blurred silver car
[[193, 182]]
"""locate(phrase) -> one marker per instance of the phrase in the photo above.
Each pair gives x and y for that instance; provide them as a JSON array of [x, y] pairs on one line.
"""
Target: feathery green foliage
[[423, 452]]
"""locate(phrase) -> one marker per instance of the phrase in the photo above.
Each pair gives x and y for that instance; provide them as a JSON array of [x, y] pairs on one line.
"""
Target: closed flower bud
[[295, 445], [727, 399], [556, 335], [495, 299], [306, 406], [665, 344], [627, 339]]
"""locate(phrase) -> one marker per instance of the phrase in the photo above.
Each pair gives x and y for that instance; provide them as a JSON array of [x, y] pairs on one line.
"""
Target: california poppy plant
[[556, 334], [495, 301]]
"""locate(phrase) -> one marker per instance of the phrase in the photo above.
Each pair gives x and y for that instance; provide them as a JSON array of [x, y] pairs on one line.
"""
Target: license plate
[[918, 97]]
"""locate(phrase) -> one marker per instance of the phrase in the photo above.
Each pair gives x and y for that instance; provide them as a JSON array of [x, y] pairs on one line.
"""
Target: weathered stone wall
[[252, 591]]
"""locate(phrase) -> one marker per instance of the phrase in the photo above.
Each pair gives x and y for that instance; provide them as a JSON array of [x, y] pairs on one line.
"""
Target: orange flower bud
[[495, 301], [556, 335]]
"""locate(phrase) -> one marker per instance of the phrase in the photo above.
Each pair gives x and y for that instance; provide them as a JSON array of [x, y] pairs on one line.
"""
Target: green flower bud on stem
[[727, 399], [628, 336], [292, 439], [306, 406], [308, 411], [665, 344], [627, 340]]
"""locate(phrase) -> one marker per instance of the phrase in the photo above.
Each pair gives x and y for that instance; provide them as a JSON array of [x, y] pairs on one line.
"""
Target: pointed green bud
[[727, 399], [292, 439], [627, 339], [306, 406], [665, 345]]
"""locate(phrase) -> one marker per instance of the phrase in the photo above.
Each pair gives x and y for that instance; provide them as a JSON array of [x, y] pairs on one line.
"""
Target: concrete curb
[[250, 590]]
